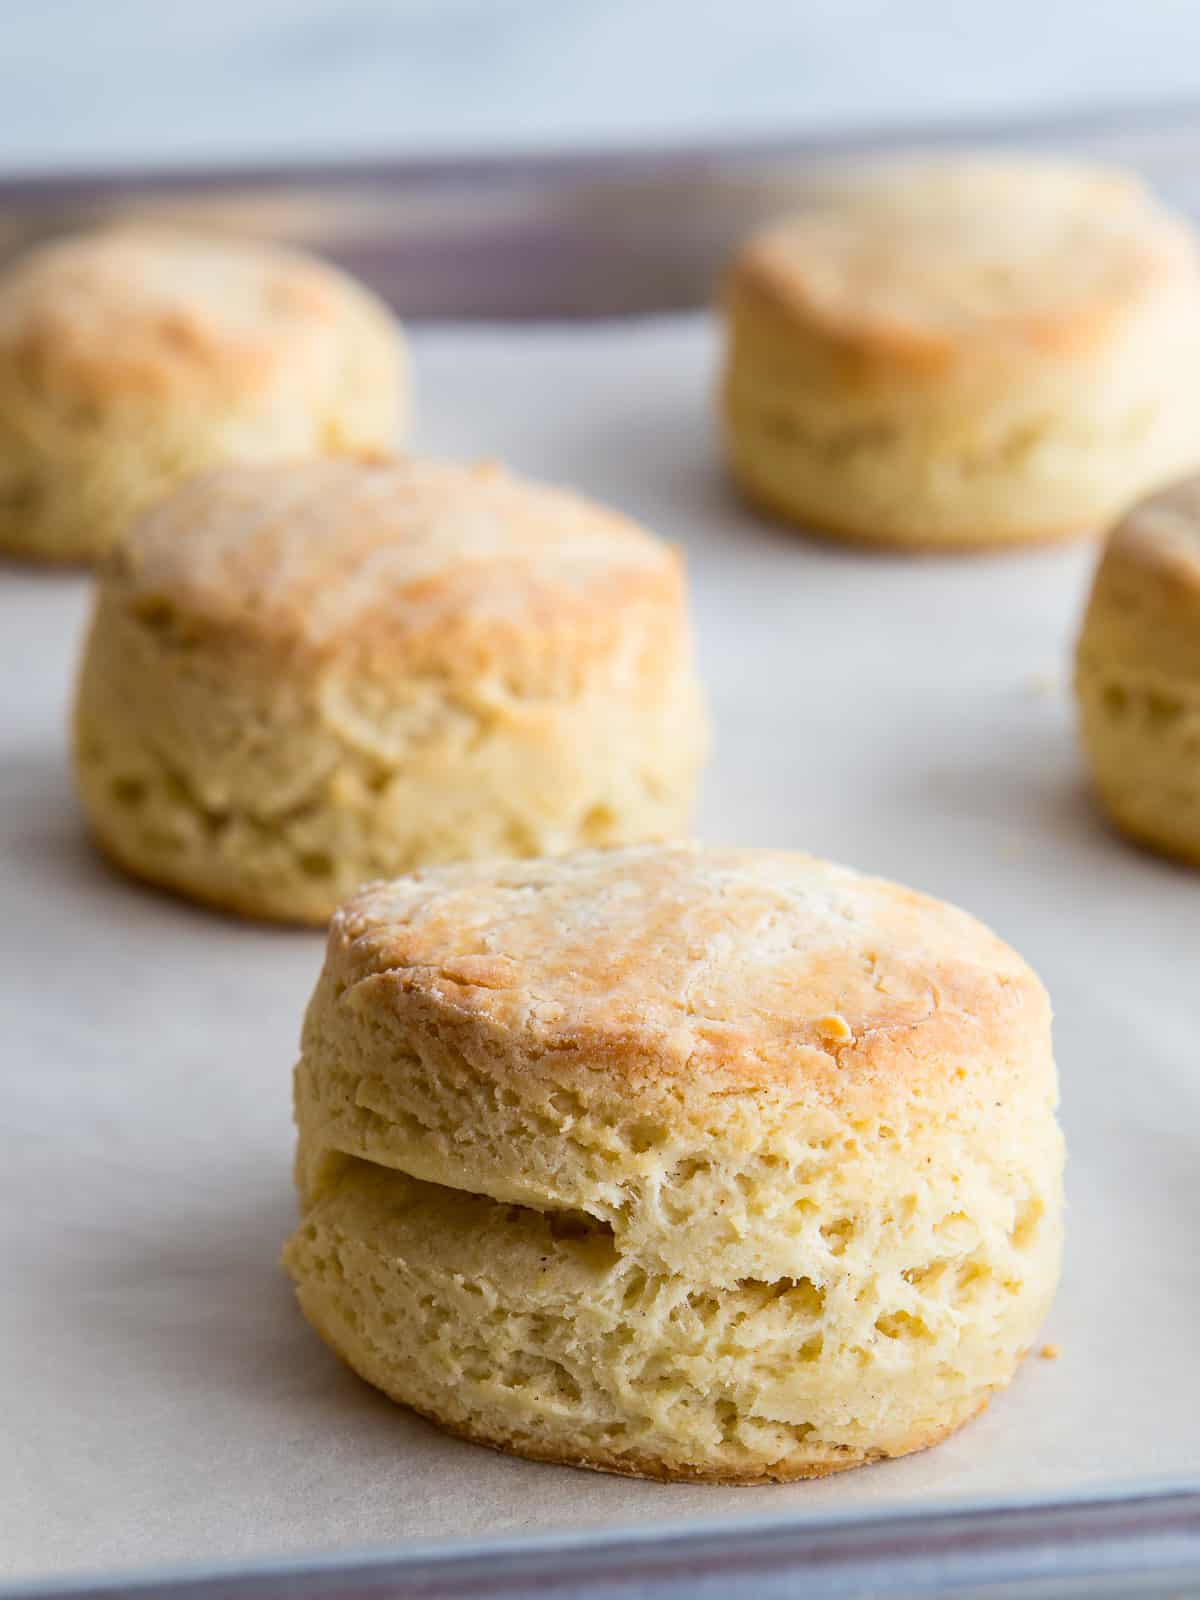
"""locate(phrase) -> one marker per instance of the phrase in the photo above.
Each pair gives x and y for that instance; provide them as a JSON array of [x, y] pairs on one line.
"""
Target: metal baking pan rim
[[1098, 1542]]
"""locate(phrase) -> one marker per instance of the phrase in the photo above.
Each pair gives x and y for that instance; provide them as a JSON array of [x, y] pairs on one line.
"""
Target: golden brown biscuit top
[[1163, 531], [147, 310], [320, 552], [680, 960], [927, 261]]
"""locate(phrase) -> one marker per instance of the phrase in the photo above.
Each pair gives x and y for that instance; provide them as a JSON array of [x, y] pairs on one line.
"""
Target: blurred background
[[86, 85]]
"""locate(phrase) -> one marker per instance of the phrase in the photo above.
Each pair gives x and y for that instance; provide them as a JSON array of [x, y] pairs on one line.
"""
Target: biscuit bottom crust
[[227, 898], [962, 541], [662, 1469], [529, 1332]]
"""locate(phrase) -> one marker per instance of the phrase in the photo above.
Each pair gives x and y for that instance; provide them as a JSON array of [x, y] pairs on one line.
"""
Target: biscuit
[[964, 355], [301, 677], [688, 1163], [133, 358], [1137, 678]]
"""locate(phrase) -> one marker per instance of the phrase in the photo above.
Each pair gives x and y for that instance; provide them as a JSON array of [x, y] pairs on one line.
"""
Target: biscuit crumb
[[835, 1028], [1041, 685], [1050, 1352]]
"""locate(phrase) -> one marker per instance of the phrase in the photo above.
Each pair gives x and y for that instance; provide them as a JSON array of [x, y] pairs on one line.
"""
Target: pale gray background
[[134, 81]]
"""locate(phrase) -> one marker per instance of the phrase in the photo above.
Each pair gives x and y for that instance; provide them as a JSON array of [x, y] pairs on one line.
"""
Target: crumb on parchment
[[1042, 685]]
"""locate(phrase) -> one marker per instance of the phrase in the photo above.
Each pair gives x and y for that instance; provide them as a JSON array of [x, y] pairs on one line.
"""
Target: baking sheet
[[162, 1400], [565, 233]]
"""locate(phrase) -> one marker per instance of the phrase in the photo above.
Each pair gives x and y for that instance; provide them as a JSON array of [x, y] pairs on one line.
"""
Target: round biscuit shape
[[727, 1164], [134, 357], [963, 355], [1137, 673], [303, 676]]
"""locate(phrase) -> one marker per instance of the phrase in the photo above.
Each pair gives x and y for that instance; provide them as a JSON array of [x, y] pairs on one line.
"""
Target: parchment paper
[[162, 1400]]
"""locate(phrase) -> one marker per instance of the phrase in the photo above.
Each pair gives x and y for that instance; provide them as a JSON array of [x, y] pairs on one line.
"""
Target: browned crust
[[925, 353], [163, 336], [772, 274], [968, 997], [658, 1469], [826, 532], [228, 552], [755, 288]]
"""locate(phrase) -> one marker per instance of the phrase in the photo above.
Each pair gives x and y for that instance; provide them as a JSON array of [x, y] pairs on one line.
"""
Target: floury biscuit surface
[[690, 1163], [304, 676], [964, 354], [1137, 678], [134, 357]]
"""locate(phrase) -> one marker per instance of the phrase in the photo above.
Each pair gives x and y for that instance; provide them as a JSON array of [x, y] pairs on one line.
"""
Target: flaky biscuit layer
[[777, 1134], [301, 677]]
